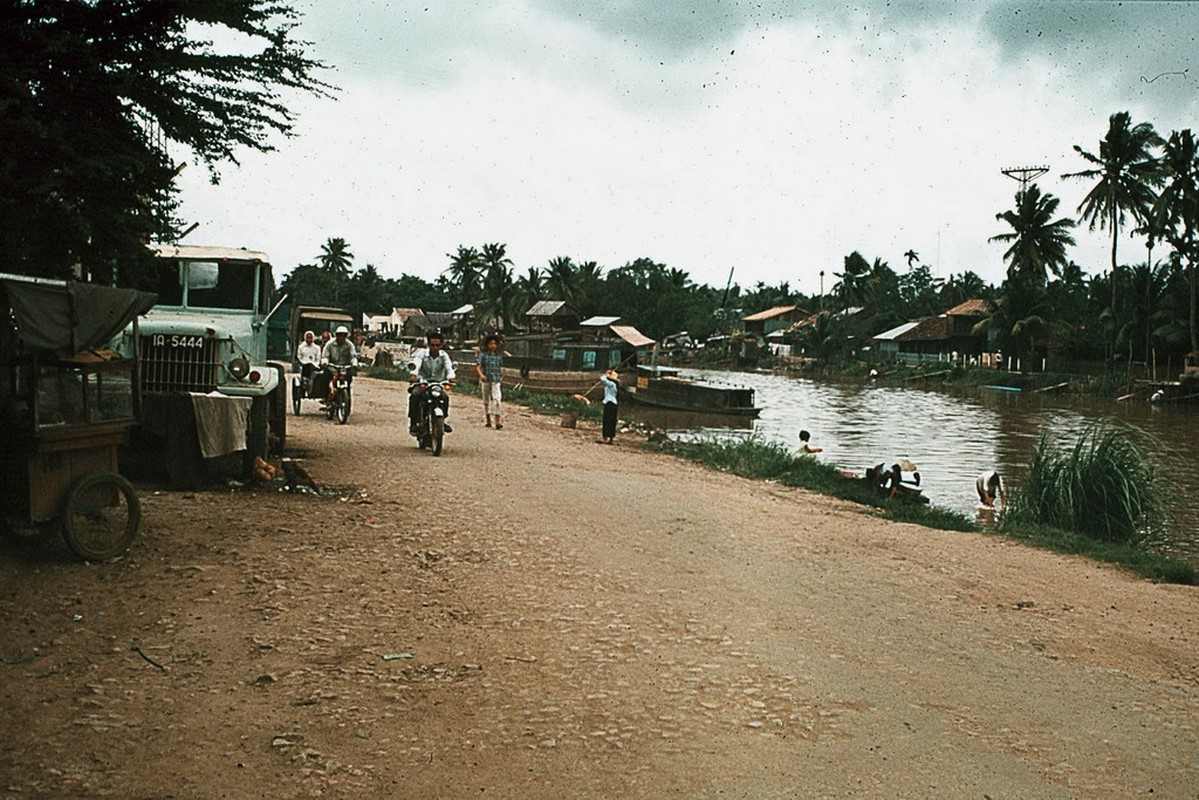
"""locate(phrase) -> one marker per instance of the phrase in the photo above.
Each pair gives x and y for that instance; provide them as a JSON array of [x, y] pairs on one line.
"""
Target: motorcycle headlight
[[239, 368]]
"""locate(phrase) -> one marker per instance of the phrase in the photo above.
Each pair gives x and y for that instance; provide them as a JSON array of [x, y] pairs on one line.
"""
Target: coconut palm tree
[[562, 280], [336, 258], [493, 256], [912, 256], [853, 287], [498, 302], [1176, 211], [530, 288], [1038, 242], [465, 272], [1126, 172]]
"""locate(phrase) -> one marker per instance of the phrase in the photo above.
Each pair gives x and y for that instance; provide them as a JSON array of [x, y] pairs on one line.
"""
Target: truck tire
[[278, 412], [258, 433]]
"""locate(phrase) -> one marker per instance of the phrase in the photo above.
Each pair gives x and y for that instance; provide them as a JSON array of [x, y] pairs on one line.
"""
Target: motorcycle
[[339, 384], [432, 409]]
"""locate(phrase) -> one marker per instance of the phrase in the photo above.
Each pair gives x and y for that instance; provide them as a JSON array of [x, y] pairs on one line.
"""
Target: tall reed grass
[[1107, 487]]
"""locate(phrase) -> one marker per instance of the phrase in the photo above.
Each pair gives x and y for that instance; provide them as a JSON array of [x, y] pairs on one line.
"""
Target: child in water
[[805, 444]]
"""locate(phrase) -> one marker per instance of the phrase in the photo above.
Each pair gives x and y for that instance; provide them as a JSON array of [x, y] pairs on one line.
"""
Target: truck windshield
[[212, 284], [203, 284]]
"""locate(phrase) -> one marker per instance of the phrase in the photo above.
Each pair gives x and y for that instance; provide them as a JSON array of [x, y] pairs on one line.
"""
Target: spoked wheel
[[343, 405], [21, 533], [102, 516], [438, 434], [295, 397]]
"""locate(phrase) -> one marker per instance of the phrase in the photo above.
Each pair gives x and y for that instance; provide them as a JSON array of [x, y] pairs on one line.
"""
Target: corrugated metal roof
[[545, 308], [896, 332], [631, 335], [600, 322], [769, 313]]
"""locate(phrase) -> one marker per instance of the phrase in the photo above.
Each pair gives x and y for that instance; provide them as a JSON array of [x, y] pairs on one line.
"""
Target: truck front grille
[[178, 364]]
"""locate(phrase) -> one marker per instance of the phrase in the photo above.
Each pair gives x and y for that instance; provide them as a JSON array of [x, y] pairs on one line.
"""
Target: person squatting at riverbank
[[611, 388], [489, 366], [989, 484]]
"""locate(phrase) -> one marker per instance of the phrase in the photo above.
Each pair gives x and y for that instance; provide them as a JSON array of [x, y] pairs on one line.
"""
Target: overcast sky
[[772, 136]]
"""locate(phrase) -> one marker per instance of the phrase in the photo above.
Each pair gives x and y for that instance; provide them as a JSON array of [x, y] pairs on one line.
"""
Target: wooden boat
[[664, 387], [552, 381]]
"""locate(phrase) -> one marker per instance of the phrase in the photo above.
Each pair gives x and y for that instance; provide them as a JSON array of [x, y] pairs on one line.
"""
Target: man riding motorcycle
[[431, 365], [338, 355]]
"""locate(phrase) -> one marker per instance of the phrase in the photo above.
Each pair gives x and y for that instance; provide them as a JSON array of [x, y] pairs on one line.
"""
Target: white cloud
[[778, 148]]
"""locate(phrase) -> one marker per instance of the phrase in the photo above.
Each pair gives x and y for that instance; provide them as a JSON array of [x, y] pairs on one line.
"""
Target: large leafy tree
[[1125, 172], [94, 92]]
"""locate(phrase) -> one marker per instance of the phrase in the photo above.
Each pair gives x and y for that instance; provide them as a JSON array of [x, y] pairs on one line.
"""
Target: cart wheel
[[102, 516], [22, 533]]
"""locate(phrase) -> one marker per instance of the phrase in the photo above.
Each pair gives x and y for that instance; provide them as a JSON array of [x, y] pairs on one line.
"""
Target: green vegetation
[[754, 458], [1107, 487], [762, 460]]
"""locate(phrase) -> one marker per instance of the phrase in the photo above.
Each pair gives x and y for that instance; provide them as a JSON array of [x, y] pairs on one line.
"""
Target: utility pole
[[1025, 175]]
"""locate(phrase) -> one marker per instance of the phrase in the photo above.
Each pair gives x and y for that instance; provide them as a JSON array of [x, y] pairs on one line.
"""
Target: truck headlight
[[239, 368]]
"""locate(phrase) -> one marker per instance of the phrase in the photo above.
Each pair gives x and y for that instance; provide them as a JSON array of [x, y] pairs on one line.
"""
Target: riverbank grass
[[762, 460]]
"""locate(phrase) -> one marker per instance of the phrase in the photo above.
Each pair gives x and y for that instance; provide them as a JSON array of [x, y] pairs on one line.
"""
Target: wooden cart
[[63, 417]]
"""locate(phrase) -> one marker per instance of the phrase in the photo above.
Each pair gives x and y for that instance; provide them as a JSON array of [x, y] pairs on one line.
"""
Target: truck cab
[[208, 334], [208, 330]]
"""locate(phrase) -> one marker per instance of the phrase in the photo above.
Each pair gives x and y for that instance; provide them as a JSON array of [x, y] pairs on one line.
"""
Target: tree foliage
[[94, 92]]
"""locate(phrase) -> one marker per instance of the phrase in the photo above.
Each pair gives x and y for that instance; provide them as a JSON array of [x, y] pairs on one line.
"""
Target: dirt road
[[535, 615]]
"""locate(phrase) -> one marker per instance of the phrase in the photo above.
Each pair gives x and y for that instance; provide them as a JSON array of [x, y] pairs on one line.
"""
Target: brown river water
[[953, 436]]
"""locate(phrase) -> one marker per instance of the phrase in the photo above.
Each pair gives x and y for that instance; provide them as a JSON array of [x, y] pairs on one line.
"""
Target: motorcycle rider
[[308, 354], [431, 365], [337, 355]]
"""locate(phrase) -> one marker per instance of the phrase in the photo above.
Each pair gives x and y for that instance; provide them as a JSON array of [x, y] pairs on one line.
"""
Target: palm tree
[[529, 288], [494, 255], [1176, 211], [562, 280], [500, 296], [1038, 244], [911, 256], [852, 288], [335, 257], [1127, 172], [465, 272]]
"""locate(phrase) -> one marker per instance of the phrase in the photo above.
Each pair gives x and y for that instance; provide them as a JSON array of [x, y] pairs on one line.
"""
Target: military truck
[[207, 336]]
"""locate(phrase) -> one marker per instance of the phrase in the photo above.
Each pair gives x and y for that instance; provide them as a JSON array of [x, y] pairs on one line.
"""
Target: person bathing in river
[[989, 484], [805, 443]]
